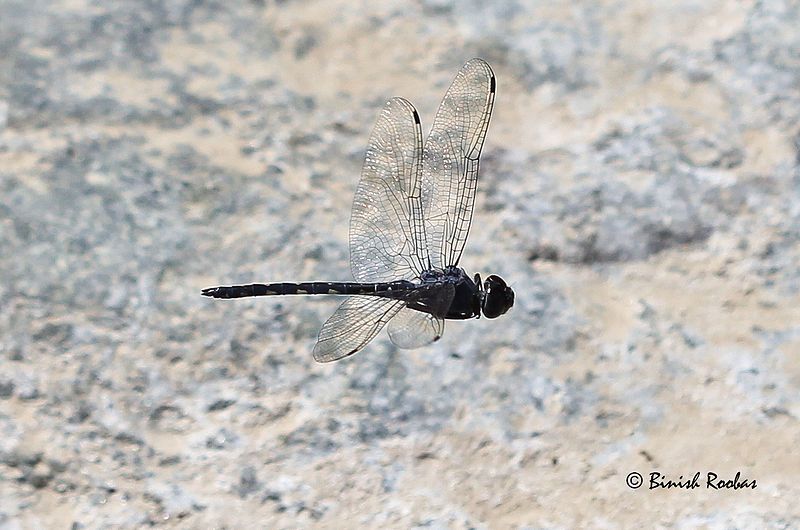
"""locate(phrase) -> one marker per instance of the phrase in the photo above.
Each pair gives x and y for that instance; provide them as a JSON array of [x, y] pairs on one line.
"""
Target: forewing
[[352, 326], [386, 228], [451, 158], [412, 329]]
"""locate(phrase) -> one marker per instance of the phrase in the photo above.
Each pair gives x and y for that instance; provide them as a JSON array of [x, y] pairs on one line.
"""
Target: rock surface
[[640, 190]]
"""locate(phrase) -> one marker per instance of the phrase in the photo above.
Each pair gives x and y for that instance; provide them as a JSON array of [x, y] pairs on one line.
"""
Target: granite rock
[[639, 189]]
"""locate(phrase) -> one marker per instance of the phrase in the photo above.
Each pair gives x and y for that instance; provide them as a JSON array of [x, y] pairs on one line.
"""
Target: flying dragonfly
[[411, 216]]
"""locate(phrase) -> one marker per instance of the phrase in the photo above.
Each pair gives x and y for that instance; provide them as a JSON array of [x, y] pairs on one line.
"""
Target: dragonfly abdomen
[[281, 288]]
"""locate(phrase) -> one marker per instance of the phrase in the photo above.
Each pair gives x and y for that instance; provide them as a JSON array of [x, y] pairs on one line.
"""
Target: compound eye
[[498, 297], [494, 282]]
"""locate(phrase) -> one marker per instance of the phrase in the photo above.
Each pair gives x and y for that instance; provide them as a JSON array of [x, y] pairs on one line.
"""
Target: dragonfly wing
[[356, 322], [386, 227], [412, 329], [450, 161]]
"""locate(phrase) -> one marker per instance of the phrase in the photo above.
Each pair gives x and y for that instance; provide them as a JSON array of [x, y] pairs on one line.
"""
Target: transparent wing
[[450, 161], [386, 228], [412, 329], [352, 326]]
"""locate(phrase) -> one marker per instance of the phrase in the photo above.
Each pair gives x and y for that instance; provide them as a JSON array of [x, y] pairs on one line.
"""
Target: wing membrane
[[412, 329], [387, 238], [451, 159], [356, 322]]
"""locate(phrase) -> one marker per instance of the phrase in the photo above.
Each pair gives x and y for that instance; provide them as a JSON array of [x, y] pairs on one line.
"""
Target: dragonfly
[[411, 216]]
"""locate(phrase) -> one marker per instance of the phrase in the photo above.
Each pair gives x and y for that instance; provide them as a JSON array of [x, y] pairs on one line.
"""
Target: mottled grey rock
[[173, 501], [640, 190]]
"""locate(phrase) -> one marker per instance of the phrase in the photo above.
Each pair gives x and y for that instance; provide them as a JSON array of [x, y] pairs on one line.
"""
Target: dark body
[[430, 296]]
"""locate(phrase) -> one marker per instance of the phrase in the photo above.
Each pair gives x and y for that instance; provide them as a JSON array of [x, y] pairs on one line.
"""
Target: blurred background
[[639, 190]]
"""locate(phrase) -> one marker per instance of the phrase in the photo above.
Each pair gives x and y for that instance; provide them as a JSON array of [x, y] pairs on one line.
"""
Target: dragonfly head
[[497, 297]]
